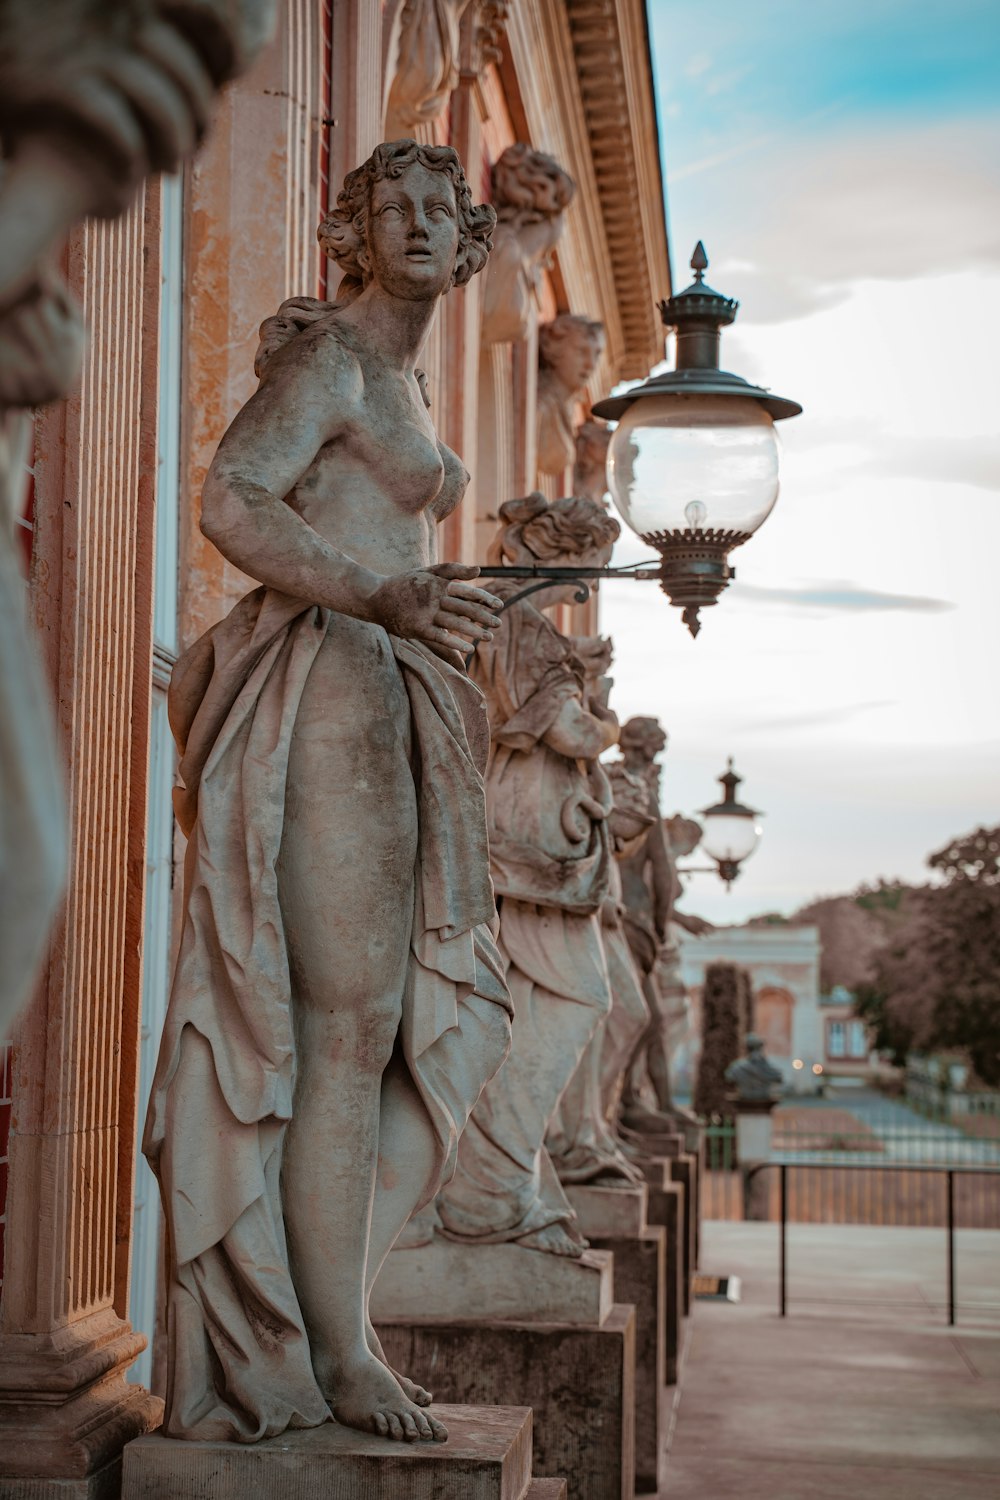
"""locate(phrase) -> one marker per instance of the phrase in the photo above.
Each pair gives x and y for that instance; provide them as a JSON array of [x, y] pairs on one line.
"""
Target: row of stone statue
[[423, 948]]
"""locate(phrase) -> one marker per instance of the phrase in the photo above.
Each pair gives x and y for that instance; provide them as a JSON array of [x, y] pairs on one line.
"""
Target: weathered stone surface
[[579, 1382], [546, 1489], [568, 350], [487, 1457], [493, 1282], [641, 1278], [666, 1209], [609, 1211]]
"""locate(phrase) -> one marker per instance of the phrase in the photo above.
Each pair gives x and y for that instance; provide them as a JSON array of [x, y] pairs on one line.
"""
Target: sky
[[841, 163]]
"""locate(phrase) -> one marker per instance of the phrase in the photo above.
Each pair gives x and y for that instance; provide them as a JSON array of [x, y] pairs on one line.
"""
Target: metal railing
[[783, 1168]]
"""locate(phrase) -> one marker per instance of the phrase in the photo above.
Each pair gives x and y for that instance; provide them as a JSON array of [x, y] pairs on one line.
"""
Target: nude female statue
[[339, 1000]]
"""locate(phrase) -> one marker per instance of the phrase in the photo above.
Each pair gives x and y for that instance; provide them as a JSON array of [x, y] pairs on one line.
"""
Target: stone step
[[487, 1457]]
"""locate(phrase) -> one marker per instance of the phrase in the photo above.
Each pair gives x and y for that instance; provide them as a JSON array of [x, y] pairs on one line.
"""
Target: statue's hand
[[436, 605]]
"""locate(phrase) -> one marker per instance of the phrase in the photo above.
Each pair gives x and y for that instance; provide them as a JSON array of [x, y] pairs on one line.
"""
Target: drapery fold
[[224, 1086]]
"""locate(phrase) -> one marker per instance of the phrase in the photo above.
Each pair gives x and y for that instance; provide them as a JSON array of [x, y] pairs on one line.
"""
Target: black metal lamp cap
[[698, 303], [730, 781], [698, 314]]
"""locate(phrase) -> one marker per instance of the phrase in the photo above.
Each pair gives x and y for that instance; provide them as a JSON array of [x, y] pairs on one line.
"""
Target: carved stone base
[[666, 1210], [492, 1282], [579, 1382], [487, 1457], [681, 1168], [66, 1411], [640, 1278], [606, 1211]]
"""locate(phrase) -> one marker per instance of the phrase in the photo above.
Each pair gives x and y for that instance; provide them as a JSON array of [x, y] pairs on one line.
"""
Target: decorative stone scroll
[[531, 193], [568, 350]]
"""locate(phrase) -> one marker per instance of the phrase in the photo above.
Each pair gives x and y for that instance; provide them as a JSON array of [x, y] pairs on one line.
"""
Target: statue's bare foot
[[368, 1396], [408, 1387], [556, 1239]]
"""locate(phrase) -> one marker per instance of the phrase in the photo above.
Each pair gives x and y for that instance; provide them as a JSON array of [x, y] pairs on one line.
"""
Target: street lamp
[[693, 462], [731, 831]]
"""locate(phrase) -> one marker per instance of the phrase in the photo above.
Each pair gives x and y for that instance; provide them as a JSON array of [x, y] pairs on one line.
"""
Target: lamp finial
[[699, 262]]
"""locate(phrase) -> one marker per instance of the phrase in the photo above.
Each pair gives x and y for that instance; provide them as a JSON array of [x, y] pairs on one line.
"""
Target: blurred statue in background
[[590, 468], [548, 801], [94, 96], [651, 886], [568, 351], [579, 1140], [531, 193]]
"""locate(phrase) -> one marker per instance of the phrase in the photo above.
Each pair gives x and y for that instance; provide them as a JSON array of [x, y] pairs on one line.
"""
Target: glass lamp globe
[[731, 831], [682, 468], [729, 837]]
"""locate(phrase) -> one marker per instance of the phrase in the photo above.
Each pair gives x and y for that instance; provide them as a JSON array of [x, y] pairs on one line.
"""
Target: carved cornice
[[611, 50]]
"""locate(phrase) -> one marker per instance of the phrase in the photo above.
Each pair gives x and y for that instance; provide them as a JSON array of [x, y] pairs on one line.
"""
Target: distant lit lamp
[[693, 463], [731, 831]]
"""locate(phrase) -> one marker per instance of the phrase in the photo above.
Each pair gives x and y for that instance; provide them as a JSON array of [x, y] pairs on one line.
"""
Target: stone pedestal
[[640, 1278], [447, 1281], [480, 1324], [607, 1212], [754, 1131], [487, 1457], [682, 1169], [579, 1382], [666, 1210]]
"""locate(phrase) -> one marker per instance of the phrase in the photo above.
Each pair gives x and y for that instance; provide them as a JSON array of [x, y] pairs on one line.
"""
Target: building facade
[[121, 579], [784, 969]]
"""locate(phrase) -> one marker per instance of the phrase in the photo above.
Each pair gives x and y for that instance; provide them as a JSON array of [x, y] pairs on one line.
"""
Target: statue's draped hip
[[223, 1091]]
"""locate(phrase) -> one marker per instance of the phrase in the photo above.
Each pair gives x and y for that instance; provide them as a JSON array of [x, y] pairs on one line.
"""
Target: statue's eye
[[440, 209], [390, 208]]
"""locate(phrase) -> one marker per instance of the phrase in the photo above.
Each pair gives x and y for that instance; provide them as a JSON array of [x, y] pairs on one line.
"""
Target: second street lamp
[[730, 830]]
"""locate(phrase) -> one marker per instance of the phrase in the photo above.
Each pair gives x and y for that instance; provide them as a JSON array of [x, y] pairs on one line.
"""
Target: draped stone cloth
[[550, 856], [579, 1139], [238, 1351]]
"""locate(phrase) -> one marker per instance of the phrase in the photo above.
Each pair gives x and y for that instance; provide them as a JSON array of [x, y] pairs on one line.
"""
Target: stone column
[[65, 1408]]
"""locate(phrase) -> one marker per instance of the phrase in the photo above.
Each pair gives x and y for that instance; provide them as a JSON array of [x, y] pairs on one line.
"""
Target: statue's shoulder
[[306, 329]]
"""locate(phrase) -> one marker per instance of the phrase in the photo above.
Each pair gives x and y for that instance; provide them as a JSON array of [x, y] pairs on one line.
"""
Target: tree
[[936, 981], [723, 1017]]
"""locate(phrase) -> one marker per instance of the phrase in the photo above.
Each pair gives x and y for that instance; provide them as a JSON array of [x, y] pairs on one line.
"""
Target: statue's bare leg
[[346, 887]]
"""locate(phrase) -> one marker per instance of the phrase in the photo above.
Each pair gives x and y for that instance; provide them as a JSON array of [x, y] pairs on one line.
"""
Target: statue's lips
[[418, 255]]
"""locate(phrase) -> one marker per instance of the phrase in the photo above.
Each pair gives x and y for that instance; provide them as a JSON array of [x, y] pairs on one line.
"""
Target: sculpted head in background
[[569, 347], [641, 740], [531, 193]]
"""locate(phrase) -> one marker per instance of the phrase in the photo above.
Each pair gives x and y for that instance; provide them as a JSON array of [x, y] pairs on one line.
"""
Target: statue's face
[[576, 359], [413, 234]]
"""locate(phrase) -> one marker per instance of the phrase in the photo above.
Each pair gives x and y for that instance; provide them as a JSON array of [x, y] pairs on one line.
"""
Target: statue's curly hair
[[534, 529], [642, 732], [343, 231], [529, 186]]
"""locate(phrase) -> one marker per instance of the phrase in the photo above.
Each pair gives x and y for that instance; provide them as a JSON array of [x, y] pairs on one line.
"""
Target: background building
[[784, 969]]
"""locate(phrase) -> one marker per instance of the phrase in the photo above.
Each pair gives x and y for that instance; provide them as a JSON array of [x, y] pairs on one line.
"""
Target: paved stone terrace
[[863, 1390]]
